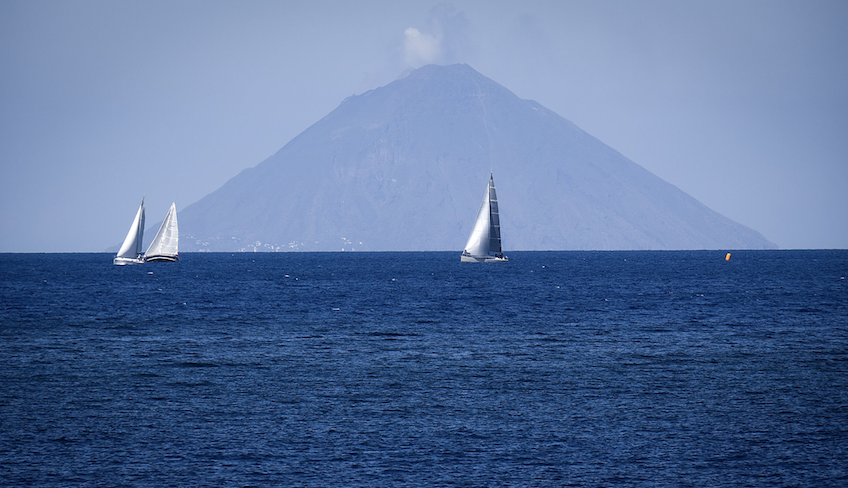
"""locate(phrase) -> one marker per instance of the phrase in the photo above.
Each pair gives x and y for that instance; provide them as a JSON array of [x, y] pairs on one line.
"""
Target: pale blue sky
[[742, 104]]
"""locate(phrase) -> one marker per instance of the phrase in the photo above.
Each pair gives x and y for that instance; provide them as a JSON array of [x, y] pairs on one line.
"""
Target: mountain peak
[[403, 167]]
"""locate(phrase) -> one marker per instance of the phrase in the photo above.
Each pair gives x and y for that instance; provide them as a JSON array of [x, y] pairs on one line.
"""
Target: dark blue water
[[393, 369]]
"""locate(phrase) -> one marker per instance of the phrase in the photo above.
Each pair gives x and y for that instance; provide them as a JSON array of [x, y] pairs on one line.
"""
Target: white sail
[[130, 252], [484, 243], [478, 241], [165, 245]]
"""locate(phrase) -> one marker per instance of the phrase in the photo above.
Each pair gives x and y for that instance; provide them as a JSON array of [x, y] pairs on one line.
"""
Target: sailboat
[[130, 252], [164, 245], [484, 243]]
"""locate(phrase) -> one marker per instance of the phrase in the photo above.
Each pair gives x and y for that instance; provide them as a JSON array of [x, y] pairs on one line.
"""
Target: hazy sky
[[742, 104]]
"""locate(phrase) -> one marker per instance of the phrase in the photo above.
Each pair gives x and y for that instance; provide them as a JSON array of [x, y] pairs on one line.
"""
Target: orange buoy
[[727, 258]]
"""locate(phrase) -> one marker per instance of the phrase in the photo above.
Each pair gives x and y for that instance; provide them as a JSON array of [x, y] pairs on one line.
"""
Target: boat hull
[[119, 261], [164, 258], [465, 258]]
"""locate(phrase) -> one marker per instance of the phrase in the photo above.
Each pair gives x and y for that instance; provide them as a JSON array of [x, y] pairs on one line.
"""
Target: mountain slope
[[403, 167]]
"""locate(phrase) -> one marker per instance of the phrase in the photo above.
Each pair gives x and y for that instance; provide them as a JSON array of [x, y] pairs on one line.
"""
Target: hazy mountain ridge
[[403, 167]]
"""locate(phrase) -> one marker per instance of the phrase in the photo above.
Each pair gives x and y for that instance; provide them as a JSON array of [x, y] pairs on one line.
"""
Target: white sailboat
[[484, 243], [130, 252], [164, 245]]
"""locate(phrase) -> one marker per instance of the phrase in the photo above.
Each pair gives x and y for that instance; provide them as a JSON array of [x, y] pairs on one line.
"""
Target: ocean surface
[[412, 369]]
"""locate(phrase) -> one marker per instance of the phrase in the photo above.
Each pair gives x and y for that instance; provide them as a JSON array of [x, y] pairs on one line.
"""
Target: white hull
[[482, 259], [122, 261]]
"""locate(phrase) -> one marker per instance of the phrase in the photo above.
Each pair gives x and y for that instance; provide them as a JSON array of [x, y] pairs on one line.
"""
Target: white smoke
[[444, 42], [420, 49]]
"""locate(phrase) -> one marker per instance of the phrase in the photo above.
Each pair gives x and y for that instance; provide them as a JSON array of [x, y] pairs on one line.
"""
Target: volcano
[[403, 168]]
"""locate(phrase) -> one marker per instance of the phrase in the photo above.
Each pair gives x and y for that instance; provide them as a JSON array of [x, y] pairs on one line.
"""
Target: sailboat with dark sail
[[484, 243]]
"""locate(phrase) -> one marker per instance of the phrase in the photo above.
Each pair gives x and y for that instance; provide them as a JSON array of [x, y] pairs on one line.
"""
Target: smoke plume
[[445, 41]]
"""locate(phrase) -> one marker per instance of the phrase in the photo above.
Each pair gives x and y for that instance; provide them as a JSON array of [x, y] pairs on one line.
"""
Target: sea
[[596, 369]]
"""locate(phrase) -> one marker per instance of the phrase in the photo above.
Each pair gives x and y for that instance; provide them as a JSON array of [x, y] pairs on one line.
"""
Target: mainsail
[[130, 252], [164, 245], [484, 243]]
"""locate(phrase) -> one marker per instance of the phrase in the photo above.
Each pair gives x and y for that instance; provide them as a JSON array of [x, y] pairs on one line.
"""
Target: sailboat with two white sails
[[164, 246], [484, 243]]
